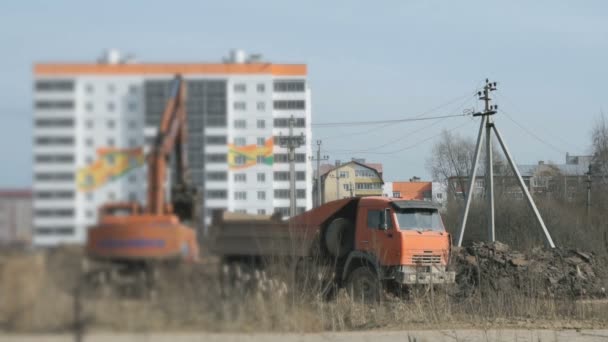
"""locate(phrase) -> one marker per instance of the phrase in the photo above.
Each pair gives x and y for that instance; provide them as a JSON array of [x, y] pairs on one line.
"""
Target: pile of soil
[[542, 272]]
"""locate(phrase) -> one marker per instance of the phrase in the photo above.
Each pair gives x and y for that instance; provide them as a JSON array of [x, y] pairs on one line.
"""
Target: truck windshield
[[419, 219]]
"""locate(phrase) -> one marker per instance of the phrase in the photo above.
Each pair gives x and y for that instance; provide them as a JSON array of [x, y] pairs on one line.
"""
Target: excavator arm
[[171, 141]]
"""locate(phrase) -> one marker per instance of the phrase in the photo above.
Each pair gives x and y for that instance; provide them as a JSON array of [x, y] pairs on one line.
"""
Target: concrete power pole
[[318, 159], [292, 142], [588, 181], [488, 126]]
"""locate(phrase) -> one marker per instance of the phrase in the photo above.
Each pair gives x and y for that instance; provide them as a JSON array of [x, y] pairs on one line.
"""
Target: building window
[[289, 104], [240, 211], [261, 105], [215, 158], [90, 124], [217, 176], [240, 177], [439, 196], [281, 193], [54, 122], [132, 197], [289, 86], [396, 194], [132, 179], [89, 142], [283, 158], [240, 105], [240, 160], [300, 193], [111, 124], [261, 124], [368, 186], [89, 107], [259, 159], [343, 174], [54, 85], [216, 194], [54, 104], [110, 106], [261, 87], [261, 177], [241, 124], [261, 142], [110, 159], [132, 142], [284, 175], [90, 196], [111, 88], [111, 142], [132, 89], [215, 140], [261, 211], [240, 88], [261, 195], [132, 107], [284, 122], [240, 195], [57, 141], [365, 173], [240, 141], [90, 214]]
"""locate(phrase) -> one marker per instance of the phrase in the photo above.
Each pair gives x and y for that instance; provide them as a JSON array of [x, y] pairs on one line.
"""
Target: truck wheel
[[363, 285], [339, 237]]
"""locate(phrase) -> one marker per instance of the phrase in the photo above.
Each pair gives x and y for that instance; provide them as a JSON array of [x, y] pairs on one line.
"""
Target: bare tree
[[452, 159], [599, 145]]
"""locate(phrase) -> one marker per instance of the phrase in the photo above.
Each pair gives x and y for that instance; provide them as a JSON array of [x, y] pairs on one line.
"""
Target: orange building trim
[[43, 69]]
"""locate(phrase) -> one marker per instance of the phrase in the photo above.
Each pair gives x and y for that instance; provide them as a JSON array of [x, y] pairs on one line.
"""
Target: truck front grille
[[426, 259]]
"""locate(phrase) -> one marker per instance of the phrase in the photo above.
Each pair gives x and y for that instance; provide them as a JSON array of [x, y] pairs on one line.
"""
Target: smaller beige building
[[351, 179], [15, 217]]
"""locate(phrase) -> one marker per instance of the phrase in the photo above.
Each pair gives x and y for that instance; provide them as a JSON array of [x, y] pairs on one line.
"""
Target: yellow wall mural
[[242, 157], [111, 163]]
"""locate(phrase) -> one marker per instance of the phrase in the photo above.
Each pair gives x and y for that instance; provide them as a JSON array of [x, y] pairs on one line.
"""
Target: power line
[[431, 110], [533, 135], [401, 149], [414, 132], [547, 133], [364, 123]]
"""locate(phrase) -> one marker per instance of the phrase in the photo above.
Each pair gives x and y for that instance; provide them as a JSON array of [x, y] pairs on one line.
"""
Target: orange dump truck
[[364, 244]]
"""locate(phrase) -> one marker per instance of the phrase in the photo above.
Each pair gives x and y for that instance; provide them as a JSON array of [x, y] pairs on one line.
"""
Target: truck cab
[[406, 240]]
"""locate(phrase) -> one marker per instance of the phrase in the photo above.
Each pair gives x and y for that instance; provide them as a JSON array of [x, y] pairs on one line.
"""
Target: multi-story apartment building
[[351, 179], [94, 123]]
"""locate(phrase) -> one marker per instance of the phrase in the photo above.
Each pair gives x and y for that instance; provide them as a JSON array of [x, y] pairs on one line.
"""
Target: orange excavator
[[133, 236]]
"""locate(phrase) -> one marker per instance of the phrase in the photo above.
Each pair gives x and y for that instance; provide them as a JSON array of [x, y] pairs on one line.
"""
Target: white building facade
[[93, 125]]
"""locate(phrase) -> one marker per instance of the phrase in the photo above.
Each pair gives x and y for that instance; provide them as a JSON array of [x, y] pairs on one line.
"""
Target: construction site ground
[[562, 292]]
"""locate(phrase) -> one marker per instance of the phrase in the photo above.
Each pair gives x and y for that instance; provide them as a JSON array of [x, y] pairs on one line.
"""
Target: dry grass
[[36, 297]]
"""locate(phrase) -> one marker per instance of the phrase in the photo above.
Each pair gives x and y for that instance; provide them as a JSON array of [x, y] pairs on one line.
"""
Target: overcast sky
[[367, 60]]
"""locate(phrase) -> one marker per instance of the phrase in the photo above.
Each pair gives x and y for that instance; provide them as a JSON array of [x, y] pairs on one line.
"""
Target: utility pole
[[588, 181], [318, 159], [488, 125], [292, 142], [337, 177]]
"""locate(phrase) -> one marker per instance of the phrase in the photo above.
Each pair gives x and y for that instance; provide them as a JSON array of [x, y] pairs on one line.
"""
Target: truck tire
[[339, 237], [363, 285]]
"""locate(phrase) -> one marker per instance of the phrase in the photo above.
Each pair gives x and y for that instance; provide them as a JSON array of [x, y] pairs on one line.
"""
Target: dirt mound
[[551, 273]]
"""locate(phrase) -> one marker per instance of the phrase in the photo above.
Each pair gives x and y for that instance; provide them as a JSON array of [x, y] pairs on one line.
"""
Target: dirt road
[[376, 336]]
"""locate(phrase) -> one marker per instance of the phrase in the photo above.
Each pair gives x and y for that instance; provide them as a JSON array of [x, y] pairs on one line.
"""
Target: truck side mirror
[[385, 218]]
